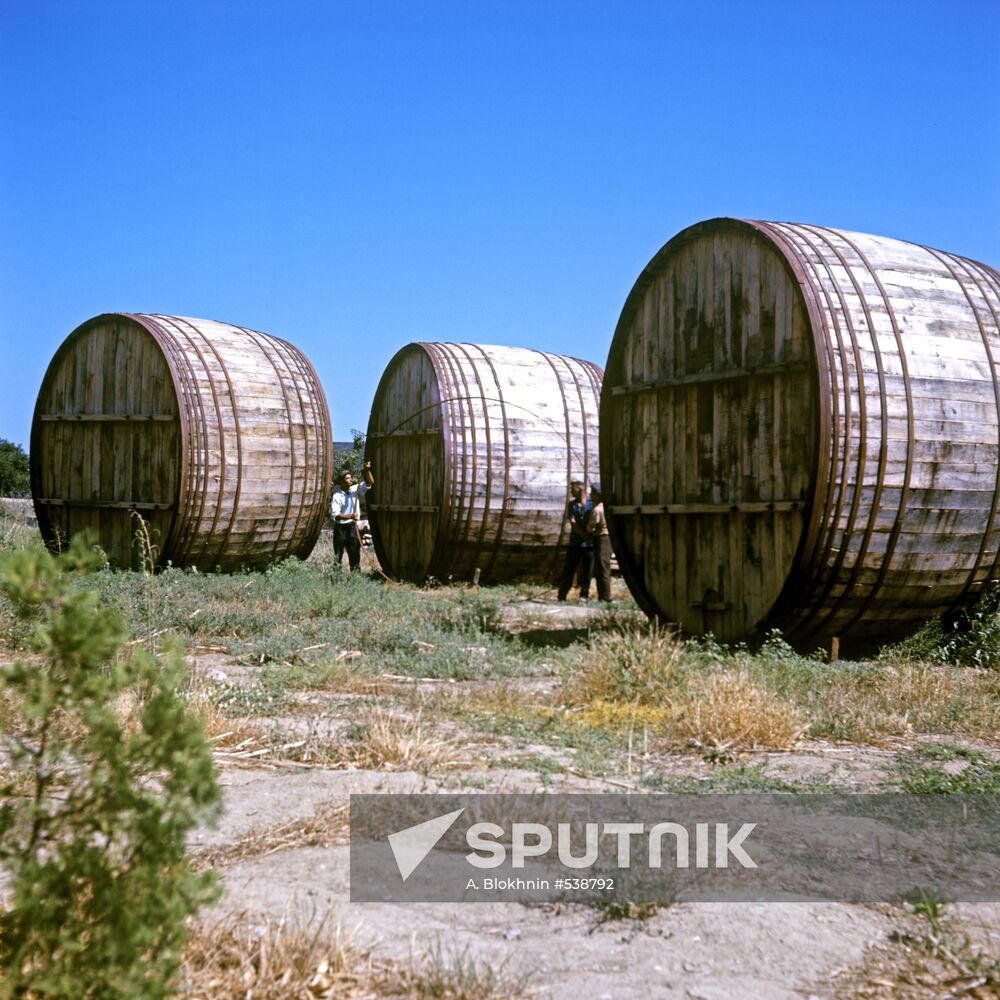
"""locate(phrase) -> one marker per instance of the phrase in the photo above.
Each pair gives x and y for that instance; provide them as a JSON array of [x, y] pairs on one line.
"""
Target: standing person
[[597, 528], [344, 509], [580, 551]]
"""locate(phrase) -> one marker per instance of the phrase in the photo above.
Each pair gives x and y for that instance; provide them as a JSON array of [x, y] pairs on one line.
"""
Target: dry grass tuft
[[499, 699], [882, 704], [922, 961], [644, 666], [398, 743], [731, 710], [222, 730], [456, 975], [326, 826], [244, 956]]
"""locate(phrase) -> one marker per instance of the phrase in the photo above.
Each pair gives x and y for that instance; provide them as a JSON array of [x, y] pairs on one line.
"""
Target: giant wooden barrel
[[474, 447], [218, 436], [799, 430]]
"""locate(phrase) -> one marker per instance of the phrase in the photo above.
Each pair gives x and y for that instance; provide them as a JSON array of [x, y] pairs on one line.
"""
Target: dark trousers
[[345, 537], [577, 557], [602, 567]]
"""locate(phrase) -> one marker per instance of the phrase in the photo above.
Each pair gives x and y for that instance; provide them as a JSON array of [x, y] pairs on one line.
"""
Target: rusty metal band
[[830, 519], [480, 542], [272, 354], [192, 334], [991, 281], [466, 470], [194, 431], [837, 365], [499, 541], [595, 375], [453, 418], [324, 457], [951, 264], [446, 547], [816, 623], [380, 410], [375, 421], [897, 525], [609, 409], [298, 378], [323, 463], [438, 366], [462, 488], [569, 444], [197, 425], [285, 546], [176, 369], [35, 447], [802, 271]]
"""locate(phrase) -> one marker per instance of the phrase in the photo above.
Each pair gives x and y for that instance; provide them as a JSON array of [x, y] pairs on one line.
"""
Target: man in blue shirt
[[580, 550]]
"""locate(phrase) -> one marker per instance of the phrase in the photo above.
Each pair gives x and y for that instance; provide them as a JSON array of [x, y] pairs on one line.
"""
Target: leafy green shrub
[[975, 637], [108, 772], [15, 477], [970, 639]]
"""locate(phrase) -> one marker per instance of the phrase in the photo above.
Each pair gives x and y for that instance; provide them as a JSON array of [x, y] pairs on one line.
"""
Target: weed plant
[[969, 639], [709, 695], [921, 773], [110, 772]]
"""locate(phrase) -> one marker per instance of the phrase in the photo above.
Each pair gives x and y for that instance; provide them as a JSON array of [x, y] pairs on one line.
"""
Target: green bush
[[968, 638], [15, 478], [107, 774], [351, 458]]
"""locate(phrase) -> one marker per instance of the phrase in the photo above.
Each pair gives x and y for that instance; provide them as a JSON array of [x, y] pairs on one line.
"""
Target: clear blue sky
[[356, 176]]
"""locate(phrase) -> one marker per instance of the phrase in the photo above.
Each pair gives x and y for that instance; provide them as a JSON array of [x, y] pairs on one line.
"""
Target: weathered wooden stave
[[900, 412], [232, 446], [475, 446]]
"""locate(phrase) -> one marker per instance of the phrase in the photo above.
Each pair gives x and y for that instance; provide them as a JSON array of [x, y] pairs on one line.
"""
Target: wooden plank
[[109, 504], [105, 417], [416, 432], [410, 508]]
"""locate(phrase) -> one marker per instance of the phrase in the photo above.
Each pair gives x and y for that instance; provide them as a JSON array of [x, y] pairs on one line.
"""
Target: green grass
[[920, 773], [742, 778], [298, 615], [306, 625]]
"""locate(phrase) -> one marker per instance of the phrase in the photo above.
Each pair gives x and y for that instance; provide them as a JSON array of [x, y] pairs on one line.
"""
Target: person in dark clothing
[[580, 550], [597, 529]]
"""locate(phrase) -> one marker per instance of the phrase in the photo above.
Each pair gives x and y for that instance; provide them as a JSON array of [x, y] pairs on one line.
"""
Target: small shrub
[[971, 639], [975, 637], [116, 773]]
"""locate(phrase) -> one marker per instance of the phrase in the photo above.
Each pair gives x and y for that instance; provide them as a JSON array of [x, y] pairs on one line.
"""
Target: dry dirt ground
[[281, 849], [709, 951]]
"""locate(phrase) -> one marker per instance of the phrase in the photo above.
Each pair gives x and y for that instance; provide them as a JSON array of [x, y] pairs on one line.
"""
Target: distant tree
[[15, 480], [350, 458]]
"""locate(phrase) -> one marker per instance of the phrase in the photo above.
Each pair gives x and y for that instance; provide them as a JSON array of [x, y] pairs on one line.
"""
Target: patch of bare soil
[[281, 848]]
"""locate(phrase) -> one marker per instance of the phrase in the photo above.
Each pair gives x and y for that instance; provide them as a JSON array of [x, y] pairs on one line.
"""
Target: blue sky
[[356, 176]]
